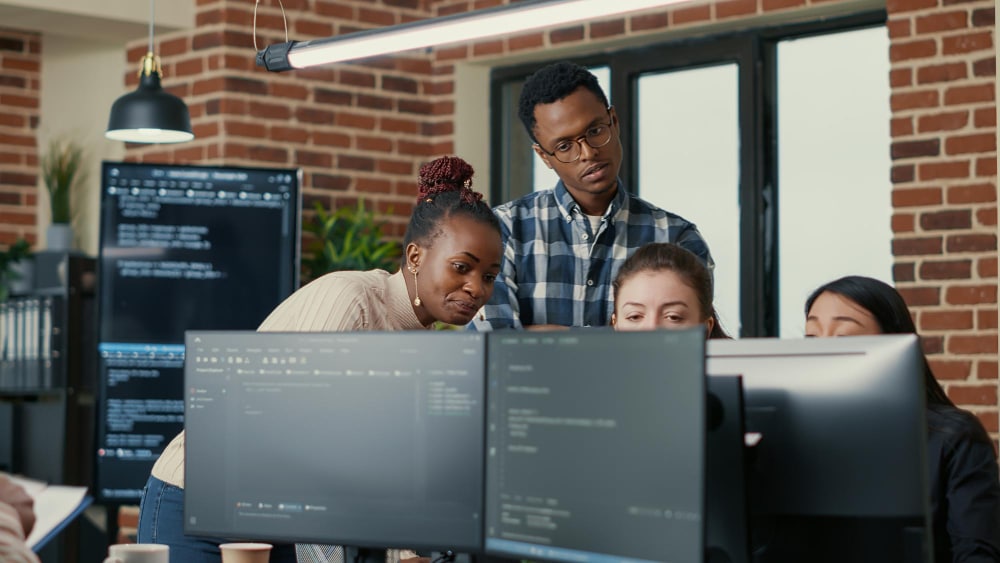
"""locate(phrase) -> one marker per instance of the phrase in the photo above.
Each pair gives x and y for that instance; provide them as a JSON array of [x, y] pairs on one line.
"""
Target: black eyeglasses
[[569, 150]]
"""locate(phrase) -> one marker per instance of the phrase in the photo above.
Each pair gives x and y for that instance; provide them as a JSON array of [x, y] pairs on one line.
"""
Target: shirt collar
[[568, 206]]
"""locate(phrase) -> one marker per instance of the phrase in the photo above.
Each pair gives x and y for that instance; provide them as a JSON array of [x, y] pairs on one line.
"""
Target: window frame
[[755, 53]]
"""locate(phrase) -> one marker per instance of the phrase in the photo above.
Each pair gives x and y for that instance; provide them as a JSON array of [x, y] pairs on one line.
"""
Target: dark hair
[[550, 84], [444, 189], [890, 311], [664, 256]]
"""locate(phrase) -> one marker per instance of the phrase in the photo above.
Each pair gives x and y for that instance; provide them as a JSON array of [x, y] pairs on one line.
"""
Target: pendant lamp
[[150, 114]]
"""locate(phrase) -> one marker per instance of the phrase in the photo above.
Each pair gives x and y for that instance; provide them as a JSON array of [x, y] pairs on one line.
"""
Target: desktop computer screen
[[838, 472], [362, 439], [596, 446]]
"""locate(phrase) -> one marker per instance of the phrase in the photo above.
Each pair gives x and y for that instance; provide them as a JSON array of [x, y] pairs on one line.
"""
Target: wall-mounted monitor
[[181, 247]]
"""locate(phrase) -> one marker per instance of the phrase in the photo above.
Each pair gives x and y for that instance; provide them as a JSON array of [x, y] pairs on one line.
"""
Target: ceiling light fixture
[[480, 24], [150, 114]]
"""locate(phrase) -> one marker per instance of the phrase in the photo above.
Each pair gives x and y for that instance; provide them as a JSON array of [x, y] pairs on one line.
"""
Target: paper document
[[55, 507]]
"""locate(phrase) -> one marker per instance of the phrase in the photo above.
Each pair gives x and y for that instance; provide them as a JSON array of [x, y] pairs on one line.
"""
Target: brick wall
[[945, 192], [364, 129], [20, 66]]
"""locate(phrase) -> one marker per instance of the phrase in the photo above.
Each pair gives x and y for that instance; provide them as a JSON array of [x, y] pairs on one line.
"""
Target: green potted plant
[[349, 238], [10, 259], [61, 168]]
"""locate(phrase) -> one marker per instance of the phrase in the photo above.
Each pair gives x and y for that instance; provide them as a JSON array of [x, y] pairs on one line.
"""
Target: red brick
[[971, 243], [311, 28], [948, 72], [529, 41], [735, 8], [900, 77], [914, 149], [241, 129], [647, 22], [968, 94], [943, 121], [313, 158], [486, 48], [984, 17], [567, 34], [945, 21], [288, 134], [911, 197], [951, 369], [388, 166], [985, 118], [978, 143], [919, 49], [987, 267], [395, 125], [986, 369], [985, 67], [354, 121], [914, 100], [331, 139], [939, 170], [986, 319], [946, 220], [917, 246], [336, 10], [946, 320], [31, 102], [974, 394], [693, 14], [267, 110], [967, 43], [986, 166], [921, 296], [903, 173], [374, 143], [332, 97], [286, 90], [987, 217], [976, 193], [14, 218], [612, 28], [314, 116], [901, 126], [946, 270], [904, 272], [903, 223], [897, 27], [331, 182], [372, 185], [971, 295]]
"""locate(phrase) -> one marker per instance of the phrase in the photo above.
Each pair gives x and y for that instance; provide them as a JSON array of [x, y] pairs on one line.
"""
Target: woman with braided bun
[[451, 256]]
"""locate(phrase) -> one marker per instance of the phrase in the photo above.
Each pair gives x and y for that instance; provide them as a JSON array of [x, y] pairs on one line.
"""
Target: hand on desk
[[11, 493]]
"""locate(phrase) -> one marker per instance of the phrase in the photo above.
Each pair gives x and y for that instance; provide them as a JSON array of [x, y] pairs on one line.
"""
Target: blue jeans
[[161, 520]]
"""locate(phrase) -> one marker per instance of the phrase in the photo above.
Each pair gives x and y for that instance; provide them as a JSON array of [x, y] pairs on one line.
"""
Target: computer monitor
[[362, 439], [181, 247], [726, 534], [596, 446], [839, 473]]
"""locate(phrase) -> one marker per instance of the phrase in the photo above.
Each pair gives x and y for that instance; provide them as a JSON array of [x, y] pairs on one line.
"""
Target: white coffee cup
[[138, 553], [245, 552]]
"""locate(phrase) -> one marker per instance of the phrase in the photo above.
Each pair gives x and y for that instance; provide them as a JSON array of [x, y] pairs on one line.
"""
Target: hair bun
[[446, 174]]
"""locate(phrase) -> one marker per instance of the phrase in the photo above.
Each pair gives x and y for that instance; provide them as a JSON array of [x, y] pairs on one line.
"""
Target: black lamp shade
[[149, 115]]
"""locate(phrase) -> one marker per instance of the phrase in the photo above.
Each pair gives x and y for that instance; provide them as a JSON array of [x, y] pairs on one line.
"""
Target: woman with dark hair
[[451, 257], [963, 474], [662, 285]]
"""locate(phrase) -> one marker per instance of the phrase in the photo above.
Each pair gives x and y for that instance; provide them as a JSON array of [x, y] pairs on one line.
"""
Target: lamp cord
[[152, 14], [283, 18]]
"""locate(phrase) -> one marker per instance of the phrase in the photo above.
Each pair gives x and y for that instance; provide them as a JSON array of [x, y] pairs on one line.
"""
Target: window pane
[[544, 177], [834, 189], [689, 164]]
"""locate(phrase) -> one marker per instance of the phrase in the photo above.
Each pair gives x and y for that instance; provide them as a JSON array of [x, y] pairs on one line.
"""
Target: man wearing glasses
[[562, 247]]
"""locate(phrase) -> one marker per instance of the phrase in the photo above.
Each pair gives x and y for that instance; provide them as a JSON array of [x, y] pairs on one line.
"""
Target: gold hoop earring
[[416, 292]]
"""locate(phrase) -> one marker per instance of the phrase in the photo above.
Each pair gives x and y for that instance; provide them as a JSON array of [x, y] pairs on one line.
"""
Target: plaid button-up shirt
[[557, 270]]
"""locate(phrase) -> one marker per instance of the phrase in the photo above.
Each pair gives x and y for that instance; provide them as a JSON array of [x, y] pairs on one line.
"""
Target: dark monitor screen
[[364, 439], [596, 446], [181, 247], [839, 472]]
